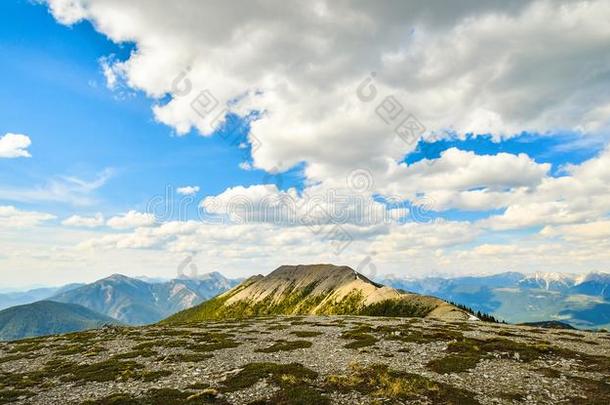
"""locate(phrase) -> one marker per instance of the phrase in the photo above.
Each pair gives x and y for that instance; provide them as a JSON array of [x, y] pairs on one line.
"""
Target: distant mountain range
[[545, 298], [11, 299], [316, 290], [137, 302], [46, 318], [581, 301]]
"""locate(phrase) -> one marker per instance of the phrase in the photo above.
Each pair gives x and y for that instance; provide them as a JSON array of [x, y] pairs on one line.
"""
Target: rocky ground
[[310, 360]]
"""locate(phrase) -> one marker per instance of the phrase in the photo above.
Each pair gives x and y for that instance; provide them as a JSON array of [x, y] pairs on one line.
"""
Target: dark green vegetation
[[360, 336], [286, 345], [305, 333], [46, 318], [164, 396], [379, 381], [465, 354], [481, 315], [549, 325], [294, 380]]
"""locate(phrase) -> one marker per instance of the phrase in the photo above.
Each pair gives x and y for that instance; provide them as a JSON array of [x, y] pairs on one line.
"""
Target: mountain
[[47, 318], [593, 284], [549, 281], [581, 301], [137, 302], [322, 289], [550, 325], [12, 299]]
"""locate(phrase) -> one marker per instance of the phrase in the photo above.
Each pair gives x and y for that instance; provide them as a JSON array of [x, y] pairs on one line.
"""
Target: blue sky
[[484, 190], [53, 89]]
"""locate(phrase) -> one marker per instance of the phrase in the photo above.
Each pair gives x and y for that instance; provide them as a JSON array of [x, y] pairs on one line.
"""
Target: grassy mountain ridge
[[47, 318], [315, 290]]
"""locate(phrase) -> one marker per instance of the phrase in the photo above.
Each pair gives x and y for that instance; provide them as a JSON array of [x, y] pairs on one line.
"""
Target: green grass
[[294, 382], [108, 370], [381, 383], [453, 364], [10, 396], [187, 357], [163, 396], [360, 336], [305, 333], [286, 345]]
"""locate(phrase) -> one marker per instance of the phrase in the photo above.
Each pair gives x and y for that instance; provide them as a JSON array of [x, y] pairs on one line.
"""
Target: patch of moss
[[213, 341], [591, 391], [383, 384], [305, 333], [70, 350], [187, 357], [27, 347], [360, 336], [286, 345], [135, 353], [479, 348], [114, 399], [15, 357], [294, 381], [277, 327], [549, 372], [10, 396], [453, 364], [154, 375], [108, 370], [409, 334], [198, 386], [163, 396]]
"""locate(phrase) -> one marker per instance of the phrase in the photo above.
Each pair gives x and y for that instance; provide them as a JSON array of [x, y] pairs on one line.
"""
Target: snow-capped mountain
[[549, 281]]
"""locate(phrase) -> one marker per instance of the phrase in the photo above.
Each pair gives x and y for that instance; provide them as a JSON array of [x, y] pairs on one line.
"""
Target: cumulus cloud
[[14, 146], [85, 222], [188, 190], [315, 206], [345, 87], [467, 67], [11, 217], [131, 219], [581, 195]]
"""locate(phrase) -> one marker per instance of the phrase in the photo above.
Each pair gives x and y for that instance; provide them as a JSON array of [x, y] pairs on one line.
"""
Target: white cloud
[[11, 217], [581, 195], [14, 146], [245, 166], [484, 67], [591, 231], [317, 205], [85, 222], [188, 190], [466, 67], [68, 189], [131, 219]]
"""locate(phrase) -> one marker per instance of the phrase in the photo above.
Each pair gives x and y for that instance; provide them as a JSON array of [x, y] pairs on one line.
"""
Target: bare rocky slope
[[322, 289], [310, 360]]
